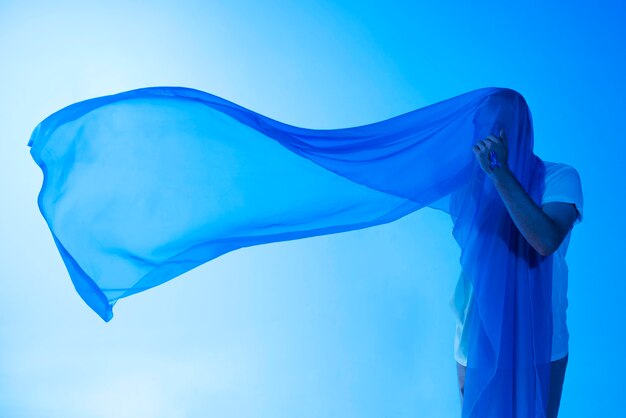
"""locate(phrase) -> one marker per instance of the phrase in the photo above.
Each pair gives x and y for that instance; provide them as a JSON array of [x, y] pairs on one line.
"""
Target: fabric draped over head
[[142, 186]]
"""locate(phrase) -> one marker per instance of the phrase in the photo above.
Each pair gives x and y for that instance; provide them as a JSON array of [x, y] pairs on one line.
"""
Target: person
[[547, 228]]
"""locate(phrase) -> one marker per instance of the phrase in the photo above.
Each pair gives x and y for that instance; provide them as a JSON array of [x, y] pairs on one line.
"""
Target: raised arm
[[543, 227]]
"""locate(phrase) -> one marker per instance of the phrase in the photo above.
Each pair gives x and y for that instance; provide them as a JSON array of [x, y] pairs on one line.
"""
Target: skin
[[543, 227]]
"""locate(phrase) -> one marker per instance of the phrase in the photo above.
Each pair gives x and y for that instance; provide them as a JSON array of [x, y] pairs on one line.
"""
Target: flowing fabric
[[142, 186]]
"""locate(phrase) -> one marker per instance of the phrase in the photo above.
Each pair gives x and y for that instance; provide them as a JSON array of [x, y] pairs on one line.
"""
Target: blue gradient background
[[348, 325]]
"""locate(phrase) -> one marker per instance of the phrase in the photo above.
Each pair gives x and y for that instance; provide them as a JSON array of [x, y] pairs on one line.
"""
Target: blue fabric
[[142, 186]]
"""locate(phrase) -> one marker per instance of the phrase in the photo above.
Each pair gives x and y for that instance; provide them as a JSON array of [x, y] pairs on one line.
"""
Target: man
[[547, 229]]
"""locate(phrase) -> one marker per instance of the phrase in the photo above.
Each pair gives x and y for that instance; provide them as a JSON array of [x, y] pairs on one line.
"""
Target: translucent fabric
[[142, 186]]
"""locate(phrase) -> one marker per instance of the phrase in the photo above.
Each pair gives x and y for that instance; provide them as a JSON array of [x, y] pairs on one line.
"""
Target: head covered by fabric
[[142, 186]]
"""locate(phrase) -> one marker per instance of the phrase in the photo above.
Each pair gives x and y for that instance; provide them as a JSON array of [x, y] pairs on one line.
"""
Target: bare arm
[[543, 227]]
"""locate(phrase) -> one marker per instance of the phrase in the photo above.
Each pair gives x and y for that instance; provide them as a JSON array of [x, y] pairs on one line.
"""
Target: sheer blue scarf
[[142, 186]]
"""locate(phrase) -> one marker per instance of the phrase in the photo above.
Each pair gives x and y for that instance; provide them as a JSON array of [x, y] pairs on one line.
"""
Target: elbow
[[545, 251], [546, 247]]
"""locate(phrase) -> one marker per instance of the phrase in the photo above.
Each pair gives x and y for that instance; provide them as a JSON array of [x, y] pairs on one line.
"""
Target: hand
[[499, 146]]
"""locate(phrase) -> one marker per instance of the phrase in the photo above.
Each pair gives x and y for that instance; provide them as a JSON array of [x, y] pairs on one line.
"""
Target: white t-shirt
[[562, 184]]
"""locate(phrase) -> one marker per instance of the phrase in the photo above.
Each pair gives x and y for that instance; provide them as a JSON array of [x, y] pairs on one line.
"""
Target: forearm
[[537, 228]]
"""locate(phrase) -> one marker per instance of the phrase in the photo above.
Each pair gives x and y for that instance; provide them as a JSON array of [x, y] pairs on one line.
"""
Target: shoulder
[[560, 176], [560, 170], [562, 184]]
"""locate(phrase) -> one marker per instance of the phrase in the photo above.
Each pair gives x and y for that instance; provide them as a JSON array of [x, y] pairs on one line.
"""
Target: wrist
[[500, 174]]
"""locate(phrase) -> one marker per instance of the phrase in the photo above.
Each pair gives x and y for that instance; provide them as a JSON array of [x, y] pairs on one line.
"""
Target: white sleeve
[[563, 185]]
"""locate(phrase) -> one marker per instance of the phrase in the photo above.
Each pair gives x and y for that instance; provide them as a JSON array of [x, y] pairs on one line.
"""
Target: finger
[[480, 145], [505, 140], [492, 139], [490, 142]]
